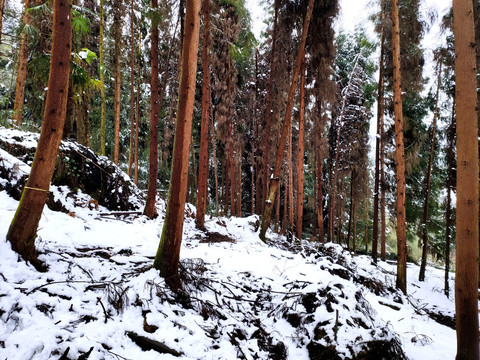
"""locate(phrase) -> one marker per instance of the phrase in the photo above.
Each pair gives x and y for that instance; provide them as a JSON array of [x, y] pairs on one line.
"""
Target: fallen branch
[[394, 307], [121, 213], [147, 344]]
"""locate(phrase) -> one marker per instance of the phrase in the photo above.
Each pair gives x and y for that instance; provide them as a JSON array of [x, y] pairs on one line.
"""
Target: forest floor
[[241, 298]]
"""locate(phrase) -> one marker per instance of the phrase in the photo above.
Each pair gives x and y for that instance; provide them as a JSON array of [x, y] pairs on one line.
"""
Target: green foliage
[[80, 23]]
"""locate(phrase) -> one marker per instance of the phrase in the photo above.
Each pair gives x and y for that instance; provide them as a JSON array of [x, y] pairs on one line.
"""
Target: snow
[[237, 289]]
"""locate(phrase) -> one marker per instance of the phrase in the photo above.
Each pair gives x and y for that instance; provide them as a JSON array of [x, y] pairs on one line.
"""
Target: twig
[[103, 307], [118, 356]]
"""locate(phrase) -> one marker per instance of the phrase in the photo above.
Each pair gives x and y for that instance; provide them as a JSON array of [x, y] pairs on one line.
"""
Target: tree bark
[[150, 210], [448, 212], [117, 82], [301, 153], [466, 283], [321, 231], [268, 121], [383, 252], [274, 181], [22, 67], [137, 126], [203, 160], [132, 89], [399, 154], [168, 254], [289, 224], [102, 81], [423, 265], [23, 229]]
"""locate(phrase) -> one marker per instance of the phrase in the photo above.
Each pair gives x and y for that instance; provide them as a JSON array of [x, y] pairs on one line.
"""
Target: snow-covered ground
[[242, 299]]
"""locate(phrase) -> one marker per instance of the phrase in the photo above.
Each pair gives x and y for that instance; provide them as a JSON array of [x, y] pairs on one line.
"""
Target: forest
[[208, 121]]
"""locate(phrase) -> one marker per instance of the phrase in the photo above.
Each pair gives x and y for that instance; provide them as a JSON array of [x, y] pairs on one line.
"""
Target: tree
[[466, 282], [101, 69], [117, 29], [275, 179], [22, 65], [423, 265], [132, 89], [23, 229], [301, 154], [399, 154], [150, 210], [206, 95], [168, 254]]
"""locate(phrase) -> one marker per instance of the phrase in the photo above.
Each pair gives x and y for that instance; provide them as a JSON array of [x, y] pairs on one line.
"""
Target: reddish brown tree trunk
[[423, 265], [321, 231], [400, 154], [168, 254], [23, 229], [268, 121], [203, 160], [150, 210], [274, 181], [466, 281], [380, 111], [118, 80], [301, 151], [132, 90], [22, 67]]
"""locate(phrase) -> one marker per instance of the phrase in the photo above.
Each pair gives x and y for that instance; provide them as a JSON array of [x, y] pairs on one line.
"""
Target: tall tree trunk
[[23, 229], [383, 252], [301, 153], [274, 181], [203, 160], [321, 231], [399, 154], [268, 121], [132, 89], [466, 283], [214, 152], [22, 67], [354, 220], [365, 219], [448, 212], [137, 130], [102, 81], [423, 265], [168, 254], [352, 207], [150, 210], [337, 151], [117, 82], [289, 225], [377, 143]]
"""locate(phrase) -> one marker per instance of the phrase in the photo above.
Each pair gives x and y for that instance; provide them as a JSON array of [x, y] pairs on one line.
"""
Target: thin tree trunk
[[214, 152], [321, 231], [289, 225], [352, 206], [301, 153], [466, 273], [366, 209], [423, 265], [117, 82], [274, 181], [380, 111], [354, 240], [400, 154], [203, 160], [102, 81], [150, 210], [22, 67], [448, 216], [268, 121], [137, 126], [377, 144], [168, 254], [132, 90], [337, 150], [23, 229]]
